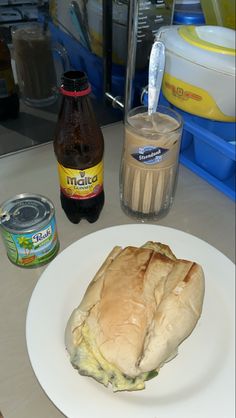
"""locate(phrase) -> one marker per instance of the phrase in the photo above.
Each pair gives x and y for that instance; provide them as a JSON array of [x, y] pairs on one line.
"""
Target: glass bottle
[[79, 147]]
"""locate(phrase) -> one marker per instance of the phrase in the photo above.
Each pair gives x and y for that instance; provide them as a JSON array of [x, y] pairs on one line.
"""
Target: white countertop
[[198, 209]]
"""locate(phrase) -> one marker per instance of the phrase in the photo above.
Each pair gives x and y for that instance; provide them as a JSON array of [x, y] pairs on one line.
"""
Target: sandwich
[[140, 306]]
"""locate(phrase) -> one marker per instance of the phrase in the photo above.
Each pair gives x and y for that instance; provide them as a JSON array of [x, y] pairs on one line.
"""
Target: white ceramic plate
[[199, 382]]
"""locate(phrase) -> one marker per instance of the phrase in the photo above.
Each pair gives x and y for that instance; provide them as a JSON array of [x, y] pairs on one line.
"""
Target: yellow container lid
[[212, 47], [206, 38]]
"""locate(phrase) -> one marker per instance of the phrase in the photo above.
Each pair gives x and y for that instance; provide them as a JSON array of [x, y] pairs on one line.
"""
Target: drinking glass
[[149, 163], [33, 52]]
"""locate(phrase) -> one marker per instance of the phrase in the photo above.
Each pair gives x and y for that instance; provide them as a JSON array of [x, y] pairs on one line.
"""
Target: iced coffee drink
[[149, 163], [34, 64]]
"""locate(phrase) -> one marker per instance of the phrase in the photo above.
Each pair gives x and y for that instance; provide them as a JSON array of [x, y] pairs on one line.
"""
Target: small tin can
[[28, 226]]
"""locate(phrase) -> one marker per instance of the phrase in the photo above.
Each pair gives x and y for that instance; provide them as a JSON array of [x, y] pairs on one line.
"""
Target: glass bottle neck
[[75, 93]]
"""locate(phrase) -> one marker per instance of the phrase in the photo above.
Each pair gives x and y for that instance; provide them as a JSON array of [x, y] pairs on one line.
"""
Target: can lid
[[26, 213]]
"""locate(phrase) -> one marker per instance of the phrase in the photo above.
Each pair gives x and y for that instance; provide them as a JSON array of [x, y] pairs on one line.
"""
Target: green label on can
[[32, 249]]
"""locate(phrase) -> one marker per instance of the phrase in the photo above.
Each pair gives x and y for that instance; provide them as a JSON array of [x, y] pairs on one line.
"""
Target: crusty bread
[[140, 306], [160, 248]]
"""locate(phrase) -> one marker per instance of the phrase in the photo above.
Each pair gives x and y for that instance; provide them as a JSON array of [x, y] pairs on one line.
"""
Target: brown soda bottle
[[9, 100], [79, 147]]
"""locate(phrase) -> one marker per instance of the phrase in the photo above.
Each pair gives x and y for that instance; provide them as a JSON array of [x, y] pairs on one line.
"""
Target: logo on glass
[[149, 154]]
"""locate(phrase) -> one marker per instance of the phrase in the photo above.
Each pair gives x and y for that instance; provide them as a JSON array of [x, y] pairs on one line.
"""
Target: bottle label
[[6, 83], [81, 184]]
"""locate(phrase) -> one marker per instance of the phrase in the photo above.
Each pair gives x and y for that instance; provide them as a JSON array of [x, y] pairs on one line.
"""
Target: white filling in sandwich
[[141, 304]]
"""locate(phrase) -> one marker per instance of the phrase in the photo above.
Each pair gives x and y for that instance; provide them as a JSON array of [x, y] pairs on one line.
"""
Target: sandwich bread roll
[[140, 306]]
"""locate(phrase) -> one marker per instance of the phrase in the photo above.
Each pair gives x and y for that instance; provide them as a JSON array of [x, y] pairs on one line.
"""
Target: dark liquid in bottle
[[79, 145], [85, 209]]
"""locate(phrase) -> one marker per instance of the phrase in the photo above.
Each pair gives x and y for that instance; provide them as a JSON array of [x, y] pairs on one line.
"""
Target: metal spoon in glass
[[155, 74]]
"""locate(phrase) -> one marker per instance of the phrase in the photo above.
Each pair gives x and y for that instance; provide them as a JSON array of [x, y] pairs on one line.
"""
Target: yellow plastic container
[[219, 12], [199, 75]]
